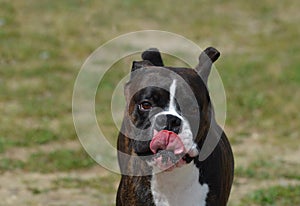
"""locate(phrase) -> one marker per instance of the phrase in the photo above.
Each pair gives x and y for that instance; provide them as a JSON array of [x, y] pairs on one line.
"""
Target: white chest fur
[[179, 187]]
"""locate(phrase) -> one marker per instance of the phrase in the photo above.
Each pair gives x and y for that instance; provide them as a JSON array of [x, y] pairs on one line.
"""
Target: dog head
[[169, 109]]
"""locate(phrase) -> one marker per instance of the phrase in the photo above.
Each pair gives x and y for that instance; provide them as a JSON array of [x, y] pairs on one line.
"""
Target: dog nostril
[[174, 123], [168, 122], [176, 129], [177, 122]]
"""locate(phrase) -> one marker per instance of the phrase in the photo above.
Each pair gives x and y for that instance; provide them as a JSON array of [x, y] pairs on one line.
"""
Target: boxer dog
[[171, 151]]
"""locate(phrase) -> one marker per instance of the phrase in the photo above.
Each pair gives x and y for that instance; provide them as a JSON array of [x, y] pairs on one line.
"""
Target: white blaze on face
[[181, 185], [185, 133], [172, 105]]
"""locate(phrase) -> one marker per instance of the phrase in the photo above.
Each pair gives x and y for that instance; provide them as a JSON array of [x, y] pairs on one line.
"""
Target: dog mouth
[[169, 151]]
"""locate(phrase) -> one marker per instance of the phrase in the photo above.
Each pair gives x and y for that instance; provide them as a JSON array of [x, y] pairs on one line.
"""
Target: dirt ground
[[30, 188]]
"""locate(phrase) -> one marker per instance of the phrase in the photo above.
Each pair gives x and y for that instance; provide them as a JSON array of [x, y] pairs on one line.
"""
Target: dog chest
[[179, 187]]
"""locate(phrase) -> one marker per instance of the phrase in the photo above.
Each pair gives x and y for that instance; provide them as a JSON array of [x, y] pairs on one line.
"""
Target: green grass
[[264, 169], [44, 43], [102, 184], [274, 196], [59, 160], [56, 161], [7, 164]]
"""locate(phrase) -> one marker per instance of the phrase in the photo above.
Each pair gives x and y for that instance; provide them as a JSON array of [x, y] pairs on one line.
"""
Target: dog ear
[[140, 64], [206, 59], [136, 65], [153, 55]]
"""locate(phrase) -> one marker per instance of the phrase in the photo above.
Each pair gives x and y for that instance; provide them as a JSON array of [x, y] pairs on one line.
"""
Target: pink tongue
[[167, 140]]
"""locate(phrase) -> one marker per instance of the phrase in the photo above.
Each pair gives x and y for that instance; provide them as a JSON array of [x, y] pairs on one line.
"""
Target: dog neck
[[179, 187]]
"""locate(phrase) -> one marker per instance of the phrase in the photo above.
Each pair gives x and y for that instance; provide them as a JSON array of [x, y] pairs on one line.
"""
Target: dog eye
[[145, 106]]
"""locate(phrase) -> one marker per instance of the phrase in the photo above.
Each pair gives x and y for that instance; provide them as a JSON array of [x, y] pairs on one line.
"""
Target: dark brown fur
[[216, 170]]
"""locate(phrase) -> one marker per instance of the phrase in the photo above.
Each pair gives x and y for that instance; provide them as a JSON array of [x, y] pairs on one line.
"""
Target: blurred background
[[43, 44]]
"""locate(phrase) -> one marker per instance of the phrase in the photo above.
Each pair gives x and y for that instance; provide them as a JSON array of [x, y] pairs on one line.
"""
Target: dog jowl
[[168, 118]]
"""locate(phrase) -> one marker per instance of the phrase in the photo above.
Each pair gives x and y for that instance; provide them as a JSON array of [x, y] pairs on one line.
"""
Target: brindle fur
[[136, 190]]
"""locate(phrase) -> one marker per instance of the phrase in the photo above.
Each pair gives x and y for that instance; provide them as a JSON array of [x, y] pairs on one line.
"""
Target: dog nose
[[168, 122]]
